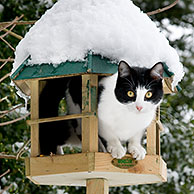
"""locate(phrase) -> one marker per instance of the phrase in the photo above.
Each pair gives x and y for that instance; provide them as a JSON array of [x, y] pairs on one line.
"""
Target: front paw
[[117, 151], [137, 151]]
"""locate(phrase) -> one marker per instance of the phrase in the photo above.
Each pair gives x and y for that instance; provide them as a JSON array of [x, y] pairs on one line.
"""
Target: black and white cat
[[127, 105]]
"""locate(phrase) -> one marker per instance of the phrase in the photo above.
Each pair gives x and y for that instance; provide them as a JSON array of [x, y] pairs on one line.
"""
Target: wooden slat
[[89, 104], [60, 118], [153, 135], [167, 86], [159, 125], [35, 148], [75, 169], [97, 186], [58, 164], [151, 138], [157, 140]]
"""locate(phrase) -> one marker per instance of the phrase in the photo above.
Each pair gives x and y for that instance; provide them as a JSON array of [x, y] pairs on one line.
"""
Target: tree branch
[[2, 24], [8, 31], [162, 9], [5, 41], [8, 60], [10, 23], [4, 98], [6, 156], [5, 112], [22, 151], [5, 62], [5, 173], [13, 34], [15, 120], [4, 77]]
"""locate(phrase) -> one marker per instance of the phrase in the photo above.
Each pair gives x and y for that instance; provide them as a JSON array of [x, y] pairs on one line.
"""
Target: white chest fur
[[124, 121]]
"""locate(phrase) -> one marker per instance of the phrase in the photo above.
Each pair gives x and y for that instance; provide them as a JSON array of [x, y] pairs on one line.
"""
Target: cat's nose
[[139, 108]]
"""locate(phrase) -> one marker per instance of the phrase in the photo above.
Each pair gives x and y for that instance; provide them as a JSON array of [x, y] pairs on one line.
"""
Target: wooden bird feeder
[[96, 170]]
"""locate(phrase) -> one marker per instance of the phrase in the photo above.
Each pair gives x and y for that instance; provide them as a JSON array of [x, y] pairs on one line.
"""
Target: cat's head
[[140, 89]]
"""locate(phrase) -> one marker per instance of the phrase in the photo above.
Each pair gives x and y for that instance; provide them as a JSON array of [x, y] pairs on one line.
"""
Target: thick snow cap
[[116, 29]]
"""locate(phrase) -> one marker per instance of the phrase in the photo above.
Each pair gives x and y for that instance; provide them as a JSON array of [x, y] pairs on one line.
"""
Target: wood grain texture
[[60, 118], [34, 87], [89, 104], [75, 169], [97, 186], [151, 138]]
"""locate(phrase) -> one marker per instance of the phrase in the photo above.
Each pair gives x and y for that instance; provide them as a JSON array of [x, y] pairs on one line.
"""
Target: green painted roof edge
[[92, 64]]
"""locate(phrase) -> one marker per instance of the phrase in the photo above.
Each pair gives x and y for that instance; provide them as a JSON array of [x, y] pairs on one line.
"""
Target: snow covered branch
[[162, 9]]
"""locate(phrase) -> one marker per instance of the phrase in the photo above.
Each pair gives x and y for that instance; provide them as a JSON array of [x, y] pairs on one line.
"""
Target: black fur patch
[[134, 77]]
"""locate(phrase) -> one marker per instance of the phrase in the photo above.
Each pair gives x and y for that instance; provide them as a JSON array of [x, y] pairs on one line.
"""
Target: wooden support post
[[97, 186], [153, 136], [158, 131], [35, 148], [89, 104]]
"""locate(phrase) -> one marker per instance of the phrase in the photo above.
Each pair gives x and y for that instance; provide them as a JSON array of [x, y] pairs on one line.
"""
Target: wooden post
[[158, 131], [89, 104], [90, 129], [97, 186], [35, 148], [153, 136]]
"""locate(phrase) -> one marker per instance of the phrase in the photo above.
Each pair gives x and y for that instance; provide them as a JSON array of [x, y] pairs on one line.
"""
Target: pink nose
[[139, 108]]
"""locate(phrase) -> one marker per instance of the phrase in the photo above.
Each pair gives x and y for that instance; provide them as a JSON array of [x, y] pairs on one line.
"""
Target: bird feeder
[[96, 170]]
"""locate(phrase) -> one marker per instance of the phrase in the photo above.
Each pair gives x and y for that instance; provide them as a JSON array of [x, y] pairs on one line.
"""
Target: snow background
[[115, 29]]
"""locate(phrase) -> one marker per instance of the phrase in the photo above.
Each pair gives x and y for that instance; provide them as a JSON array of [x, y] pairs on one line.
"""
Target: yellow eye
[[148, 95], [130, 94]]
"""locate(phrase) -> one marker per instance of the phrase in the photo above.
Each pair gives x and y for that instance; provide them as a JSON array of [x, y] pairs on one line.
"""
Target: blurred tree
[[177, 110]]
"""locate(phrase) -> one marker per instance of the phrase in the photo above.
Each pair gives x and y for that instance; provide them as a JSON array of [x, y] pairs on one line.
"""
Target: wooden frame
[[97, 171], [76, 169]]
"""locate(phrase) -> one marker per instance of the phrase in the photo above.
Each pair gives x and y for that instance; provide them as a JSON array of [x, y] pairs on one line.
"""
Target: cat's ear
[[124, 69], [157, 71]]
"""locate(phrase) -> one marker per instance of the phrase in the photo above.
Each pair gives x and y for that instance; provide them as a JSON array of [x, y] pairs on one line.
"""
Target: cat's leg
[[114, 145], [116, 149], [135, 148], [60, 150]]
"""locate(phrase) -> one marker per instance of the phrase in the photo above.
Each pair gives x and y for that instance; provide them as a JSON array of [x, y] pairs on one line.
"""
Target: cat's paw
[[117, 151], [137, 151]]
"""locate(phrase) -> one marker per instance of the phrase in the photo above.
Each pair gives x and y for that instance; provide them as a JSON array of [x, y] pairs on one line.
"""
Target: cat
[[127, 103], [127, 107]]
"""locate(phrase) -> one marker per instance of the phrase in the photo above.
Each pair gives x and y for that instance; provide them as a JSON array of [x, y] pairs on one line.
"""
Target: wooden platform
[[76, 169]]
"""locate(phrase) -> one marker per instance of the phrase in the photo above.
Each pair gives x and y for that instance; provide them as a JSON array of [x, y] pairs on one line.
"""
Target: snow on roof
[[115, 29]]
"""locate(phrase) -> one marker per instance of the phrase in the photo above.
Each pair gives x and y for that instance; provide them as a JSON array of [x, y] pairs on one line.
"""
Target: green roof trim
[[92, 64]]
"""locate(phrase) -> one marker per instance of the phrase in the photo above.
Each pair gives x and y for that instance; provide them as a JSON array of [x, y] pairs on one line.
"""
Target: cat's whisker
[[129, 81], [151, 83]]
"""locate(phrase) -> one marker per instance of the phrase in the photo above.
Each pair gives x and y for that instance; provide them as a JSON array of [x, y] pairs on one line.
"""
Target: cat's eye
[[148, 95], [130, 94]]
